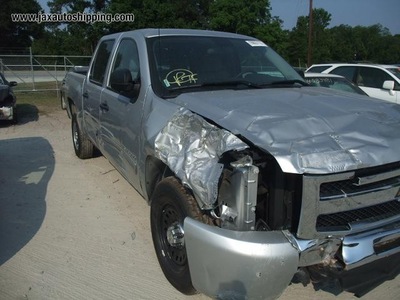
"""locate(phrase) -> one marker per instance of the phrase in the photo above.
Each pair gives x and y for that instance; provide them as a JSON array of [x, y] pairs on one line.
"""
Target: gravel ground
[[75, 229]]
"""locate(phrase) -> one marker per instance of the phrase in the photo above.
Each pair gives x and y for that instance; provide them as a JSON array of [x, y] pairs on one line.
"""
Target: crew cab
[[255, 179]]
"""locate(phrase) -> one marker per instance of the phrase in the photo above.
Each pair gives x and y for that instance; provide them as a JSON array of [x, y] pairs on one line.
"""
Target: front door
[[120, 115]]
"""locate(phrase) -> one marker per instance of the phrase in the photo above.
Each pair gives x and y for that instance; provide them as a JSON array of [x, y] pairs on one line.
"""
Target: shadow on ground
[[27, 113], [26, 166]]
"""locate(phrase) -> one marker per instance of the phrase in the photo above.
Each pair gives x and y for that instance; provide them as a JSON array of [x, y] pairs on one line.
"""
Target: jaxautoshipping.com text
[[79, 17]]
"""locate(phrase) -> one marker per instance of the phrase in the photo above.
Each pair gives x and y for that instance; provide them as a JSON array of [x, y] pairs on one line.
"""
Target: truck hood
[[308, 129]]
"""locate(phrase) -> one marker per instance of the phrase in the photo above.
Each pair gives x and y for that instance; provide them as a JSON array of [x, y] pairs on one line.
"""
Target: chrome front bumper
[[366, 247]]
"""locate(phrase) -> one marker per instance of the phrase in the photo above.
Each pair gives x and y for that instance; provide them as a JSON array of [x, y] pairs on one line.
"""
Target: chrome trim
[[359, 249], [377, 177]]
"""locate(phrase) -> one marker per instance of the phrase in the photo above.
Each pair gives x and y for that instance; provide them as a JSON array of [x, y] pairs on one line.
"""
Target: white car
[[378, 81]]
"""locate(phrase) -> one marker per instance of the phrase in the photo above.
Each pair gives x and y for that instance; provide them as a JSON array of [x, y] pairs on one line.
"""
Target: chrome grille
[[349, 202], [343, 220]]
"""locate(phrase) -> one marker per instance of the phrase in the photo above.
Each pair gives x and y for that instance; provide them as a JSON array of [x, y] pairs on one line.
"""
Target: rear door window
[[372, 77], [346, 71]]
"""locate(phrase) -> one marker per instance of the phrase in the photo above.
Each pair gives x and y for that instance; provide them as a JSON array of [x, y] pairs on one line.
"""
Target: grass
[[31, 104], [41, 100]]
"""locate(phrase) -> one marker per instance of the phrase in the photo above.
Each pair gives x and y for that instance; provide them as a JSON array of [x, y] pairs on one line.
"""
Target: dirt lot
[[73, 229]]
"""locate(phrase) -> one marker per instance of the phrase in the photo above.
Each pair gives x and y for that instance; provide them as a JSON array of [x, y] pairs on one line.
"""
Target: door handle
[[85, 95], [104, 106]]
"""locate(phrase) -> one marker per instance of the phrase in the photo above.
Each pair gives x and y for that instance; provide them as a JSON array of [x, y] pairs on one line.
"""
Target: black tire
[[82, 145], [170, 204]]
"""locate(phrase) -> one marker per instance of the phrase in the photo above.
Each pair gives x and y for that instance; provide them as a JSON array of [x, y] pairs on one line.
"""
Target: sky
[[347, 12]]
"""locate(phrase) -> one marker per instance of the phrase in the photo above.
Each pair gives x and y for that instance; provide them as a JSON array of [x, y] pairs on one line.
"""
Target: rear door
[[371, 81], [93, 89]]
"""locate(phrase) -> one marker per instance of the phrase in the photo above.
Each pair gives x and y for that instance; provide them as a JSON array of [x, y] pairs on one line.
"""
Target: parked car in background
[[379, 81], [8, 101], [332, 81]]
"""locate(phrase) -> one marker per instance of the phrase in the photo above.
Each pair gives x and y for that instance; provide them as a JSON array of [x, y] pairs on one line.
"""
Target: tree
[[321, 42], [78, 38], [297, 45], [18, 34], [239, 16], [343, 48]]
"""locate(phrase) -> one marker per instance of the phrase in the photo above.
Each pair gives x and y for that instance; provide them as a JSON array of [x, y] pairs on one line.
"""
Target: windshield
[[335, 83], [184, 63]]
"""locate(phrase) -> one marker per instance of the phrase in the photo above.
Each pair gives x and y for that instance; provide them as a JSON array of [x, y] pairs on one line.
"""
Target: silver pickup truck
[[255, 179]]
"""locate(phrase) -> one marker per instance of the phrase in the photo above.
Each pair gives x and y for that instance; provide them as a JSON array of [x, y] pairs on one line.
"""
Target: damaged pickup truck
[[254, 178]]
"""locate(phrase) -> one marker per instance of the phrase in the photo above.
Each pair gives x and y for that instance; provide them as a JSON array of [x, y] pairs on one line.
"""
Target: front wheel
[[82, 145], [171, 203]]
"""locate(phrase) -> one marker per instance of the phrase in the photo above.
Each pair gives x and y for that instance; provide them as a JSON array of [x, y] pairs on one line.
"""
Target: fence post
[[32, 69]]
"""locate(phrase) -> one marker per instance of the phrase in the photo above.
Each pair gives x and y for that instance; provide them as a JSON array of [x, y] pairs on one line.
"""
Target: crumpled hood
[[307, 130]]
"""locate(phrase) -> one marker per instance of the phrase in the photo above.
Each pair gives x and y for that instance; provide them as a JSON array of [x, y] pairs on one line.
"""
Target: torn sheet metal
[[191, 147]]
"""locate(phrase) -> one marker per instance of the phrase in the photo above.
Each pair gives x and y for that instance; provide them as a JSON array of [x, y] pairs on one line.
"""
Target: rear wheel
[[62, 101], [82, 145], [171, 204]]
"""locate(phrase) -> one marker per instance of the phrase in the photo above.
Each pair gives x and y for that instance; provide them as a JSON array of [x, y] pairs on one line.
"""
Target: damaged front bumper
[[226, 264]]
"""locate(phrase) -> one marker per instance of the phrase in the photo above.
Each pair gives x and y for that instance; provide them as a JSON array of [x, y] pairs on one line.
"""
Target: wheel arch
[[155, 171], [70, 106]]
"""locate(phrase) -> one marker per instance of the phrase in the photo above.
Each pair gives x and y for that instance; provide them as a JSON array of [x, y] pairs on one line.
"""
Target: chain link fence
[[38, 72]]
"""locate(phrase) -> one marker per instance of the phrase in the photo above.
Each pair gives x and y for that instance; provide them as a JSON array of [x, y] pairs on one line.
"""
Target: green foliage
[[13, 34], [239, 16], [341, 43]]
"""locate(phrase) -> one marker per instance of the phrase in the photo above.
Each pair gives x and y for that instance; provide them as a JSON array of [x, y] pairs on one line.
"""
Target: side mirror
[[12, 83], [389, 85], [121, 82]]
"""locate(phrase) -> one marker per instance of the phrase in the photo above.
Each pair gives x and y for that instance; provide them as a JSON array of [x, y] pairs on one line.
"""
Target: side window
[[347, 72], [127, 57], [98, 69], [373, 77], [318, 69]]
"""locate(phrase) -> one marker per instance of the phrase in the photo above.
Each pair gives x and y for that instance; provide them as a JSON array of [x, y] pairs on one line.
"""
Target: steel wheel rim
[[169, 217]]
